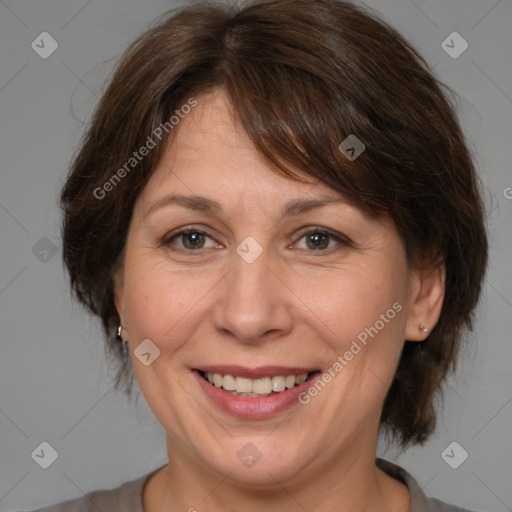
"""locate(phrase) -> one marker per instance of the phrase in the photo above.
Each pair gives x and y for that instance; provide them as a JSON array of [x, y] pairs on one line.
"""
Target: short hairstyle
[[301, 76]]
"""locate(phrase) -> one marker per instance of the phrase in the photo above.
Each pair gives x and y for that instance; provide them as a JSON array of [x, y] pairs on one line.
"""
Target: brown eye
[[188, 240], [192, 239], [317, 241], [322, 240]]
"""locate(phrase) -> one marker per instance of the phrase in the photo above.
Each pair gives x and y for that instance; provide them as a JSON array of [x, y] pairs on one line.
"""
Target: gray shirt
[[128, 496]]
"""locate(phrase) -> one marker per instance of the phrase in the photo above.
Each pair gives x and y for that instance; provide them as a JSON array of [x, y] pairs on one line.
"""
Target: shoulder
[[125, 498], [419, 501]]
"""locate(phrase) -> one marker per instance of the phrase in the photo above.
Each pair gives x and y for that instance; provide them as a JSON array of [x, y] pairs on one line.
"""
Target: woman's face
[[276, 289]]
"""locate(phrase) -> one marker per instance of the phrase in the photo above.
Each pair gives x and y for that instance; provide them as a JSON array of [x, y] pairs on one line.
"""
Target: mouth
[[265, 386], [254, 394]]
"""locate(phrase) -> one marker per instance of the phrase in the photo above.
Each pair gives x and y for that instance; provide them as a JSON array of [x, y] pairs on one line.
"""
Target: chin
[[260, 461]]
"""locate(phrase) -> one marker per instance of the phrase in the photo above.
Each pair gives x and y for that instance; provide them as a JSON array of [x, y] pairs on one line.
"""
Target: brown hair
[[301, 75]]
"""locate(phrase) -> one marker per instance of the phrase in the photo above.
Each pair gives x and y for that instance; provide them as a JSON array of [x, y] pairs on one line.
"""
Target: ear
[[427, 286]]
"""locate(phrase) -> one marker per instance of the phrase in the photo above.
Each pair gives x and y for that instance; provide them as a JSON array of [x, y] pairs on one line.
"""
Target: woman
[[276, 218]]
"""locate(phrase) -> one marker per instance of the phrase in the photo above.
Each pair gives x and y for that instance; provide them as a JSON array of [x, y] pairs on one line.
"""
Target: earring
[[423, 328], [124, 343]]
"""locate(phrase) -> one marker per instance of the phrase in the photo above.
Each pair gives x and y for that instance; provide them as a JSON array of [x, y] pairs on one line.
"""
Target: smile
[[253, 394], [246, 387]]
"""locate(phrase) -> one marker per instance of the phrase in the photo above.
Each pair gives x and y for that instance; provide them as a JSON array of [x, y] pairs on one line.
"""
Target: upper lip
[[255, 373]]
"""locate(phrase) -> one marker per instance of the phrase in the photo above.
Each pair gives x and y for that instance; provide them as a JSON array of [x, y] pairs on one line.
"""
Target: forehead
[[210, 154]]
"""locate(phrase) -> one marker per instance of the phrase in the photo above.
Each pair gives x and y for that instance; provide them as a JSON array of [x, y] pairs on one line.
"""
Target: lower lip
[[252, 407]]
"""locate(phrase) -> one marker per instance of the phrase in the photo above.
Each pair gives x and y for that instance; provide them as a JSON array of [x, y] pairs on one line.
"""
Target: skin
[[293, 306]]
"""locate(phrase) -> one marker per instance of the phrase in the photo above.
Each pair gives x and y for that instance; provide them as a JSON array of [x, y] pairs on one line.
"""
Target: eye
[[316, 239], [188, 239], [319, 239]]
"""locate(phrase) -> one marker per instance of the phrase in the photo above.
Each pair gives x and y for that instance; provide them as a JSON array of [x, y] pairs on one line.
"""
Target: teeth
[[229, 383], [278, 384], [301, 378], [242, 386], [262, 386], [290, 381]]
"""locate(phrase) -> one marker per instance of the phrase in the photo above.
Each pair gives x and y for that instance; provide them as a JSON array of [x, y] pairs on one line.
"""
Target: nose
[[254, 304]]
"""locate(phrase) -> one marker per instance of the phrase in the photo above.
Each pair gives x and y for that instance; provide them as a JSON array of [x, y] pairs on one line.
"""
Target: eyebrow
[[203, 204]]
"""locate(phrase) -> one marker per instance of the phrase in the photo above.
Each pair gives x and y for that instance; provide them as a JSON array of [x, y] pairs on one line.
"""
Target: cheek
[[364, 313], [365, 317], [353, 299], [156, 297]]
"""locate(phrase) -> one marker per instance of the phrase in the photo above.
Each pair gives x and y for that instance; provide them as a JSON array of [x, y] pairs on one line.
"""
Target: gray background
[[55, 386]]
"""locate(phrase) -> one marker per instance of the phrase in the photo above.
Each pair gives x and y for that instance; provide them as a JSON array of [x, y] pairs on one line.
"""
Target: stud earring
[[423, 328]]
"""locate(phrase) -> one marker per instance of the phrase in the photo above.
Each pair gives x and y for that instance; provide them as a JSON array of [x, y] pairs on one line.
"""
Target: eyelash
[[341, 240]]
